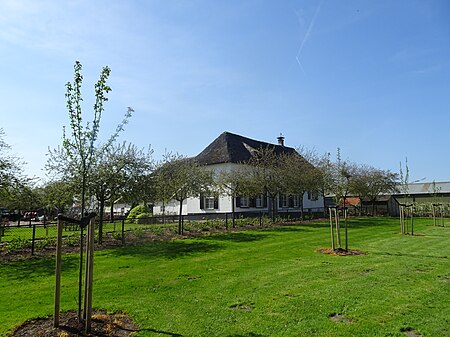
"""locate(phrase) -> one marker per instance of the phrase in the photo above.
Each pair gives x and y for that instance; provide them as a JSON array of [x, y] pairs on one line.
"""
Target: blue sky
[[369, 77]]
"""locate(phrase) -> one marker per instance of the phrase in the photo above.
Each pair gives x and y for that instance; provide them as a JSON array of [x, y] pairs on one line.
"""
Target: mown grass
[[267, 282]]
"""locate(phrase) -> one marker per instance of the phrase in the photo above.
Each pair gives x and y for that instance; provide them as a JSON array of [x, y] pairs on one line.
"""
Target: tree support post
[[89, 277], [331, 228], [346, 228], [58, 274], [338, 228], [33, 239]]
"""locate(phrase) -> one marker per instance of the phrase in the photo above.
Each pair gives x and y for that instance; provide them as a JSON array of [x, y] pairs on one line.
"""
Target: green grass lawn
[[267, 282]]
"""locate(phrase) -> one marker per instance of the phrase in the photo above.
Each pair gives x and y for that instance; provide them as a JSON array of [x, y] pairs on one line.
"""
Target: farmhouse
[[227, 153]]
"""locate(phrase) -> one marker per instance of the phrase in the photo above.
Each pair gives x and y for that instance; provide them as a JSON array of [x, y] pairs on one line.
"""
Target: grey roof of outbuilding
[[428, 188], [232, 148]]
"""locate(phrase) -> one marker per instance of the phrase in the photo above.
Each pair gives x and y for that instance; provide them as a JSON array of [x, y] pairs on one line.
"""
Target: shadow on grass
[[31, 268], [411, 255], [235, 237], [287, 229], [165, 249], [364, 222], [172, 334], [248, 334]]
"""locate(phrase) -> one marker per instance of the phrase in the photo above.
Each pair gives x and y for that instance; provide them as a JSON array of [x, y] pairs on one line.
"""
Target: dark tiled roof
[[232, 148]]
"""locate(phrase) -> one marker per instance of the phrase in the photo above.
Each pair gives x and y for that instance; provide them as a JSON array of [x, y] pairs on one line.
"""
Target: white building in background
[[227, 152]]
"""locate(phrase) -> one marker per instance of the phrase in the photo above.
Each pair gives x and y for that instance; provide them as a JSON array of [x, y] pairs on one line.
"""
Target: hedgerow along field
[[264, 282]]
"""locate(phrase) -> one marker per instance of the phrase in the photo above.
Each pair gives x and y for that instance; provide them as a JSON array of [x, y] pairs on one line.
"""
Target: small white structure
[[226, 153]]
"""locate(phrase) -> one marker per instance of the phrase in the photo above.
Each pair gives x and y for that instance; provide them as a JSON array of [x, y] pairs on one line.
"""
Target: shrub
[[117, 235], [45, 243], [136, 211], [144, 218], [16, 244], [138, 232], [72, 240]]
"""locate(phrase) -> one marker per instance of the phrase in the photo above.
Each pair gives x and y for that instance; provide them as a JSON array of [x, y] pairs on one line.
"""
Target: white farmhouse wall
[[172, 208], [192, 205]]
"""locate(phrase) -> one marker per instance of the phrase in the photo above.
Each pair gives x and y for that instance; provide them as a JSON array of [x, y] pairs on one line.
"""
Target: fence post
[[123, 231], [226, 220], [33, 238]]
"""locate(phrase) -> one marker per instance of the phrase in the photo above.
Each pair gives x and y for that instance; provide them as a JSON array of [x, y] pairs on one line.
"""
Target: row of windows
[[285, 201]]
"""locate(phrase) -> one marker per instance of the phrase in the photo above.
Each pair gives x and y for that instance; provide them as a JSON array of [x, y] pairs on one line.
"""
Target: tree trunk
[[111, 211], [180, 218], [346, 229], [302, 213], [233, 210], [402, 220], [324, 204], [100, 224], [272, 198]]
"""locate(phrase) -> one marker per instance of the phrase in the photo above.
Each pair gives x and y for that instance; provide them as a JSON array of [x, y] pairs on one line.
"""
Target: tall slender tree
[[75, 159]]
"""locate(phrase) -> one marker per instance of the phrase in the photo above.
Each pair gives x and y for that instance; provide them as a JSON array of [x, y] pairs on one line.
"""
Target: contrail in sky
[[307, 34]]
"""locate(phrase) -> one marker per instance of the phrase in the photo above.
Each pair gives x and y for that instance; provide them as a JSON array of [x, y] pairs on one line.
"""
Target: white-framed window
[[209, 202], [313, 195], [295, 202], [259, 201], [284, 201], [245, 202]]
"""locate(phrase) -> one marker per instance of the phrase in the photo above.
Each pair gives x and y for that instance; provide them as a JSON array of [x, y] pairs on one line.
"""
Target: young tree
[[342, 173], [406, 206], [74, 160]]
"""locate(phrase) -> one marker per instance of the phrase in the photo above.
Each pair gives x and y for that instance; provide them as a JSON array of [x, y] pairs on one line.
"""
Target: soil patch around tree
[[410, 332], [340, 251], [338, 318], [102, 325]]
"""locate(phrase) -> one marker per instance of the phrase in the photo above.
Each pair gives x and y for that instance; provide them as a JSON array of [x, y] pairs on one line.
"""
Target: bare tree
[[300, 175], [179, 178], [267, 175], [234, 183]]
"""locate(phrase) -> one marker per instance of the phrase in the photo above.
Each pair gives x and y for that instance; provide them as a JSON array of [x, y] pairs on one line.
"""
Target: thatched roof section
[[232, 148]]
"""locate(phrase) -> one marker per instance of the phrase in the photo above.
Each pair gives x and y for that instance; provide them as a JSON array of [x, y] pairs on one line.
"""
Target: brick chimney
[[280, 140]]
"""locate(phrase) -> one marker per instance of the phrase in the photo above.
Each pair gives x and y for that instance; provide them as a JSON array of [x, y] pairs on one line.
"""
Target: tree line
[[94, 175]]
